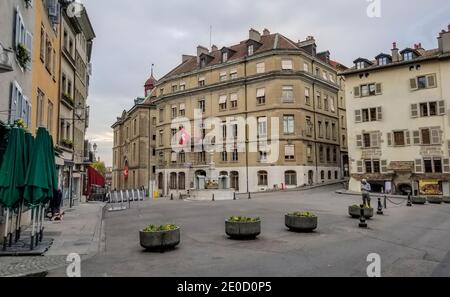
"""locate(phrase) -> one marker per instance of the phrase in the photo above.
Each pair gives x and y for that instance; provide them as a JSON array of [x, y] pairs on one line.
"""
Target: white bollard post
[[121, 199]]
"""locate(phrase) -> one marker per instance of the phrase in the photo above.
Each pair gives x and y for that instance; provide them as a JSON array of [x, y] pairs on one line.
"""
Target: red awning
[[94, 178]]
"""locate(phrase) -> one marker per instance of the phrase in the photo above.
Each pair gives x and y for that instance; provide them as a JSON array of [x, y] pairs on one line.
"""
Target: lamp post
[[95, 151]]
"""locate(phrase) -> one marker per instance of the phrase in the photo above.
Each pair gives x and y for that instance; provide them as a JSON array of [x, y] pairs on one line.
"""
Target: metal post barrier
[[139, 195], [213, 197], [409, 203], [380, 207], [362, 218], [171, 196], [249, 196], [385, 202], [121, 199], [234, 196], [181, 197]]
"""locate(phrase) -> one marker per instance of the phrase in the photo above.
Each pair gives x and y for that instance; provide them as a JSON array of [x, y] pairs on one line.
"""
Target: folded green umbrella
[[13, 169]]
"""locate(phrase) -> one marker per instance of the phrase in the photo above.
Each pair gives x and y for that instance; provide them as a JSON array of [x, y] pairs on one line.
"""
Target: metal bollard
[[249, 196], [213, 197], [362, 218], [385, 202], [171, 196], [234, 196], [181, 197], [380, 207], [409, 203]]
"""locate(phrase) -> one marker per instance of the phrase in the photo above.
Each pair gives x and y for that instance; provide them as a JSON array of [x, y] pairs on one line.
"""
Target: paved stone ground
[[411, 241], [80, 232]]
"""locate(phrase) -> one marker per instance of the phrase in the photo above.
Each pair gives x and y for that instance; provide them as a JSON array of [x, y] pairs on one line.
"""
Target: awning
[[182, 106], [233, 97], [223, 99], [260, 92]]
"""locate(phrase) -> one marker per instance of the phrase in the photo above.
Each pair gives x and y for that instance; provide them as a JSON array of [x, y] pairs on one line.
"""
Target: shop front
[[432, 184]]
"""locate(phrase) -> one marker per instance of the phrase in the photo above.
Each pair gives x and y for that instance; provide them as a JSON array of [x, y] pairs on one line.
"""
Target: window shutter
[[414, 110], [416, 137], [17, 29], [379, 113], [13, 104], [441, 106], [359, 141], [357, 91], [358, 116], [431, 79], [435, 136], [446, 166], [408, 138], [389, 139], [413, 84], [359, 166], [418, 163], [375, 139], [384, 166], [378, 89]]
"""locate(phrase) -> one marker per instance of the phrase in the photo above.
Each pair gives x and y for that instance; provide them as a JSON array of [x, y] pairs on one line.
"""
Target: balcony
[[6, 59]]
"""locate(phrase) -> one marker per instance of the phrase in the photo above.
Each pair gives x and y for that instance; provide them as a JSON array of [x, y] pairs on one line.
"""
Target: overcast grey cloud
[[131, 35]]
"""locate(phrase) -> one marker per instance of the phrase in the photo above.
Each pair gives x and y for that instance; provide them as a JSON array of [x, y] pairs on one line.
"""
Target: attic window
[[224, 57], [202, 62], [360, 65], [408, 56], [250, 49], [383, 61]]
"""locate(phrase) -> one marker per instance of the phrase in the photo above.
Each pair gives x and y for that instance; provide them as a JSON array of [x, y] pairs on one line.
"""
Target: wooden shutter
[[378, 89], [389, 139], [431, 80], [416, 137], [384, 166], [357, 91], [446, 166], [413, 84], [435, 136], [359, 166], [359, 141], [374, 139], [414, 110], [418, 165], [379, 113], [358, 116], [441, 107], [408, 138]]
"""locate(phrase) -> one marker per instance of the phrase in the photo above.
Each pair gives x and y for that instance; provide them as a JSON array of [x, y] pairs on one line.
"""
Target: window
[[382, 61], [201, 157], [181, 180], [202, 105], [250, 50], [182, 109], [261, 96], [288, 124], [234, 101], [372, 166], [368, 90], [321, 155], [20, 106], [40, 109], [201, 82], [161, 115], [262, 127], [262, 178], [161, 137], [423, 82], [174, 112], [430, 165], [309, 126], [368, 140], [333, 131], [319, 125], [223, 76], [223, 102], [174, 88], [182, 86], [309, 153], [306, 67], [262, 156], [368, 114], [426, 138], [290, 178], [428, 109], [286, 64], [173, 181], [325, 102], [399, 138], [307, 96], [328, 155], [224, 57], [42, 45], [173, 134], [319, 100], [260, 68], [224, 155], [235, 155], [288, 94], [429, 136], [233, 74], [408, 56], [360, 65], [289, 152], [334, 155]]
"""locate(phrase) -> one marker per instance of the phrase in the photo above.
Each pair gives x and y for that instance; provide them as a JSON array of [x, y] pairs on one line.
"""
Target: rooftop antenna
[[153, 65], [210, 36]]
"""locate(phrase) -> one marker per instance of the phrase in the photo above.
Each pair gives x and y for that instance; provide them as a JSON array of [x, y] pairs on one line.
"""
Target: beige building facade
[[398, 120]]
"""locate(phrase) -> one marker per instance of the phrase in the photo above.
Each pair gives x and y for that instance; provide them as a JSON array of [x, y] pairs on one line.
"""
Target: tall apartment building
[[398, 126], [268, 79]]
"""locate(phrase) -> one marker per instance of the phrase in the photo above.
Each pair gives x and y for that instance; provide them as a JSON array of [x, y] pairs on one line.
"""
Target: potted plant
[[160, 237], [301, 221], [355, 211], [23, 56], [418, 200], [242, 227], [435, 199]]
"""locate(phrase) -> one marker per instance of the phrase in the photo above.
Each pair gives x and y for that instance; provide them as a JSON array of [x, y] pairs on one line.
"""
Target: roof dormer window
[[250, 49], [383, 61], [202, 62], [408, 56], [360, 65], [224, 57]]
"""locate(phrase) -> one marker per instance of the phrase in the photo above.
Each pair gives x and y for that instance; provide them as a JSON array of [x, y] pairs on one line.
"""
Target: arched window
[[329, 174], [290, 178], [173, 181], [336, 175], [322, 175], [262, 178], [181, 181]]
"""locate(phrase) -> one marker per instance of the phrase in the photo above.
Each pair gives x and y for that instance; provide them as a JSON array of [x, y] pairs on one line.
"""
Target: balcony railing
[[6, 59]]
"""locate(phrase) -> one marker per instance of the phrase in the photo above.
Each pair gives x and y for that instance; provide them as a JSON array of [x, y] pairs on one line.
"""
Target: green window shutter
[[414, 110], [357, 91], [413, 84]]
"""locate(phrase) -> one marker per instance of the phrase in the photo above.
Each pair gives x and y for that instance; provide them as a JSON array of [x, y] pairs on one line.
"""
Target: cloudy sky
[[131, 35]]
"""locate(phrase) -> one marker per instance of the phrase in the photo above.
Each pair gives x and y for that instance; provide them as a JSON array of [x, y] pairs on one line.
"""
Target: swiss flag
[[125, 172], [184, 136]]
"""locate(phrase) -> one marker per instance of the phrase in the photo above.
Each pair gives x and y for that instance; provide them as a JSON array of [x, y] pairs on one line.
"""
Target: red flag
[[184, 136]]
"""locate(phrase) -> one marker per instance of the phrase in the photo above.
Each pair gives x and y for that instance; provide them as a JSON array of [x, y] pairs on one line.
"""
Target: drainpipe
[[246, 127], [315, 125]]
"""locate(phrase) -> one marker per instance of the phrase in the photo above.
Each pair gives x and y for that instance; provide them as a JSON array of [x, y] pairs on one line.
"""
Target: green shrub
[[359, 206], [243, 219], [304, 214], [23, 56], [167, 227]]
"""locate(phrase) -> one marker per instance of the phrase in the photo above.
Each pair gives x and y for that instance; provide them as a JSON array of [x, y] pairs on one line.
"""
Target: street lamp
[[95, 151]]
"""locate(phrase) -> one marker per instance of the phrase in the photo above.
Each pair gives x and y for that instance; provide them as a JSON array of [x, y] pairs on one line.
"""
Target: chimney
[[214, 48], [201, 50], [254, 35], [266, 32], [395, 56], [444, 41]]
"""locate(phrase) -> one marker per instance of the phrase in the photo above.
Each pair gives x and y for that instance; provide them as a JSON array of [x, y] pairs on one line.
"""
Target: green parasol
[[13, 169]]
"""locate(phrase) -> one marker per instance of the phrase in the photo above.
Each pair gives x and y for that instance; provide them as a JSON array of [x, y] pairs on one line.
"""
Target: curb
[[345, 192]]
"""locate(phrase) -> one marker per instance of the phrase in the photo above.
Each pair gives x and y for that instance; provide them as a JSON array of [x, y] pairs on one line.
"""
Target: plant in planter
[[160, 237], [355, 211], [23, 56], [301, 221], [435, 199], [418, 200], [242, 227]]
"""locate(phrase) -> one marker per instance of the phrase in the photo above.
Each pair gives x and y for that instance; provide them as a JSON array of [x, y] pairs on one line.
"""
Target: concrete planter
[[355, 212], [418, 200], [242, 230], [161, 240], [435, 199], [446, 199], [301, 224]]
